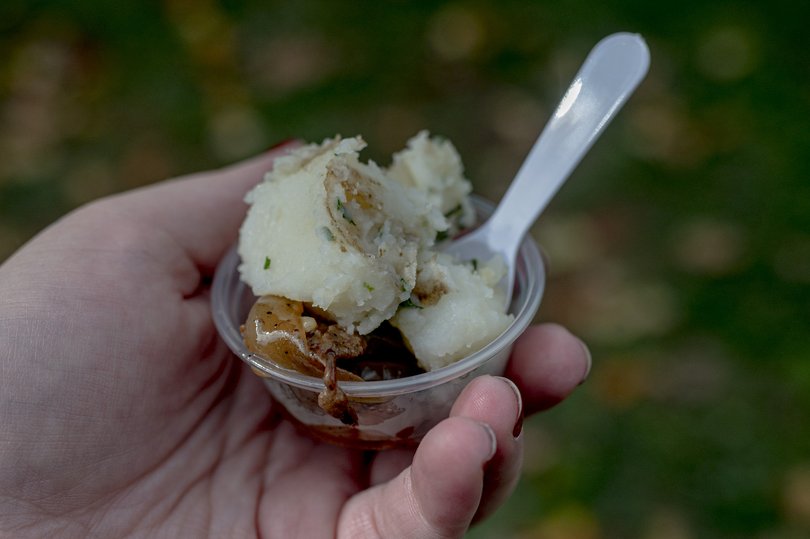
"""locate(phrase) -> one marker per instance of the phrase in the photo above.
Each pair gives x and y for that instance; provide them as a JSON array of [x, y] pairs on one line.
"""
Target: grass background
[[680, 249]]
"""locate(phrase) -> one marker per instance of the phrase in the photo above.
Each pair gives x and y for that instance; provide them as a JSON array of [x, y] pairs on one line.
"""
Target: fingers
[[202, 211], [496, 402], [436, 496], [547, 364], [453, 478], [389, 464]]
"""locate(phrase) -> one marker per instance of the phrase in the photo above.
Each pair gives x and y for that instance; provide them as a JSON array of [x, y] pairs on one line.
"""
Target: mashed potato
[[434, 167], [356, 241], [456, 311]]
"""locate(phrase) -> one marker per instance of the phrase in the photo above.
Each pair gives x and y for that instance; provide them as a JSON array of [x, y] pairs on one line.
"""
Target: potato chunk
[[456, 310]]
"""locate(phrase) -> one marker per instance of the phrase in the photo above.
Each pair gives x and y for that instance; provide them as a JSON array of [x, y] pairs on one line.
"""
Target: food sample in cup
[[345, 259]]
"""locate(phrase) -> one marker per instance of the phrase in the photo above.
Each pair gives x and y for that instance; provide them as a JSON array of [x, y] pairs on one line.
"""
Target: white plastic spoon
[[610, 74]]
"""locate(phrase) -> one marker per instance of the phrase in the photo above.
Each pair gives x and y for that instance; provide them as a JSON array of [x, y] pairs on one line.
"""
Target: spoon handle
[[611, 72]]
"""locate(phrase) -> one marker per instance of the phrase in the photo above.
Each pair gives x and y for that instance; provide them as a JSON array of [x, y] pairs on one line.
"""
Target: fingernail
[[588, 362], [493, 447], [518, 428]]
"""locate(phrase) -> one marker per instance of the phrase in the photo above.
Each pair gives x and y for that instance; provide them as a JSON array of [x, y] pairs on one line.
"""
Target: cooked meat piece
[[332, 339]]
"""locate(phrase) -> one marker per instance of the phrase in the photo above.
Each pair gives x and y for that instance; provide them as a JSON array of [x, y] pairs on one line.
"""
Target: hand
[[123, 414]]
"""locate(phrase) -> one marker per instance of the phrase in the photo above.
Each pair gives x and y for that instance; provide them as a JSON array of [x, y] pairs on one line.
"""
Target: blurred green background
[[680, 249]]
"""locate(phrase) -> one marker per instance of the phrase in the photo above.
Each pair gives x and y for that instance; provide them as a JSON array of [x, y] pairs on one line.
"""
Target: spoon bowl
[[610, 74]]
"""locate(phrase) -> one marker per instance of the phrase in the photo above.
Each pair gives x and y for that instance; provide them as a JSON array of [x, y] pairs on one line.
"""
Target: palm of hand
[[157, 417]]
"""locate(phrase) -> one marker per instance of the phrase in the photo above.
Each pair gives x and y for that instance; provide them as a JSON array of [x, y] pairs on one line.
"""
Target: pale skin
[[122, 414]]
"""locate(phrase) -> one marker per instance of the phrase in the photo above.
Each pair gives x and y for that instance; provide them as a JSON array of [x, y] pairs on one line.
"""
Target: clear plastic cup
[[390, 413]]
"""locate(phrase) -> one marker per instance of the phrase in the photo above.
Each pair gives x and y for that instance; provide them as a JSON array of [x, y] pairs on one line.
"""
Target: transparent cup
[[390, 413]]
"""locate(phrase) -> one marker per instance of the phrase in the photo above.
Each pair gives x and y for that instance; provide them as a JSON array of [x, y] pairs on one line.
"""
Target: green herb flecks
[[409, 304], [474, 263], [441, 235], [455, 211], [368, 287], [344, 212], [267, 262]]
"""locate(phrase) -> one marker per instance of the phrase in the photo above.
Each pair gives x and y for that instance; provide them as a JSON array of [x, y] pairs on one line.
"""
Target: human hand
[[123, 414]]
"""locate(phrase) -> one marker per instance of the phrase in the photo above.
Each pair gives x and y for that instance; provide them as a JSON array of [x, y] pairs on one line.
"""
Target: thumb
[[437, 496], [201, 211]]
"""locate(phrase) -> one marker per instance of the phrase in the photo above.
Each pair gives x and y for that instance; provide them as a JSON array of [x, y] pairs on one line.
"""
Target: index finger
[[547, 364]]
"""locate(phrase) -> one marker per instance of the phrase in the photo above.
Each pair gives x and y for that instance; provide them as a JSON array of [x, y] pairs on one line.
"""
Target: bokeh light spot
[[455, 32], [727, 53], [708, 246]]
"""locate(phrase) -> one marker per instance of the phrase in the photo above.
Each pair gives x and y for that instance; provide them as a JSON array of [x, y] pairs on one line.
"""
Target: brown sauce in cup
[[300, 338]]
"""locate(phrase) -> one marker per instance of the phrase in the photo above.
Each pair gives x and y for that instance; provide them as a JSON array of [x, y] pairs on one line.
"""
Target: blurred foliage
[[680, 250]]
